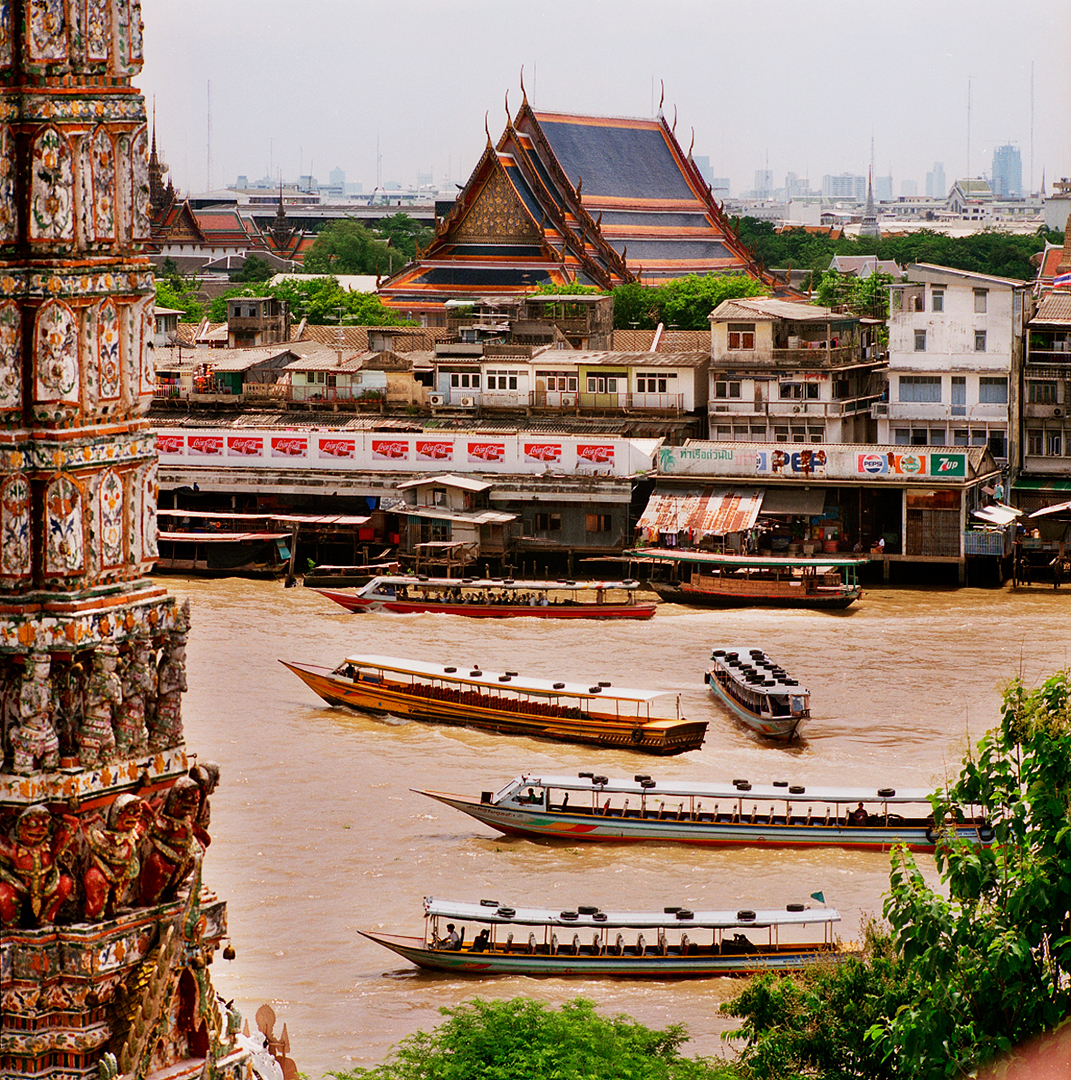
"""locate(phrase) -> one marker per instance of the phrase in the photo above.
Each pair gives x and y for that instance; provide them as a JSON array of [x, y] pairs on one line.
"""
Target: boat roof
[[638, 920], [767, 562], [511, 584], [776, 685], [724, 789], [499, 680], [222, 537]]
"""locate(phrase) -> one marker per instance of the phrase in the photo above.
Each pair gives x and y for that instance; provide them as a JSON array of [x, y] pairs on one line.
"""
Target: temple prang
[[107, 932]]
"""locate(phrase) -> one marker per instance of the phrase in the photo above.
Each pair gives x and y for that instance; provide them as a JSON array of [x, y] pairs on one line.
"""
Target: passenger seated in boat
[[858, 816], [532, 797], [481, 941], [452, 940]]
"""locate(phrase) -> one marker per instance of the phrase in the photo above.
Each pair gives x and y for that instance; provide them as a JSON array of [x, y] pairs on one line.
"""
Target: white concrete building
[[955, 357], [782, 371]]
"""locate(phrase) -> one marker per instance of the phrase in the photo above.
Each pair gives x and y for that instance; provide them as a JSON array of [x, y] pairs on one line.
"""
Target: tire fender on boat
[[933, 834], [637, 735], [985, 833]]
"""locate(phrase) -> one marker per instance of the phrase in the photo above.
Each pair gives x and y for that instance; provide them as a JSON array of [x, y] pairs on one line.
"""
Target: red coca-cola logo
[[598, 455], [543, 451], [435, 451], [245, 445], [288, 446], [209, 445], [169, 444], [487, 451], [338, 448], [393, 451]]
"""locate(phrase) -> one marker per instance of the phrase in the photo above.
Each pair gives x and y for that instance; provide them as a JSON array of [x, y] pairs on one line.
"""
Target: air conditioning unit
[[568, 399], [467, 402], [436, 399]]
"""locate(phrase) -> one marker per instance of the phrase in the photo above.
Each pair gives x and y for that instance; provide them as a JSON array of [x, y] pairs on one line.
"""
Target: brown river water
[[316, 833]]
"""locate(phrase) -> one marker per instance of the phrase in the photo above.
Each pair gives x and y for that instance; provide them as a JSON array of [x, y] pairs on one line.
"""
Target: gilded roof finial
[[486, 129], [579, 185], [508, 119], [524, 93], [662, 84], [673, 130], [691, 145]]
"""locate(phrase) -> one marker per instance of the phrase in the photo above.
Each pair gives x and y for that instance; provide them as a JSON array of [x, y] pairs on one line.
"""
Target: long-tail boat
[[674, 943], [502, 702], [759, 692], [497, 598], [715, 580], [590, 806]]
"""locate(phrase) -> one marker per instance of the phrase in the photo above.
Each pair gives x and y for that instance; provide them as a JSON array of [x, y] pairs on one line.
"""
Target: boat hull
[[576, 826], [650, 737], [783, 728], [652, 964], [357, 604], [714, 597]]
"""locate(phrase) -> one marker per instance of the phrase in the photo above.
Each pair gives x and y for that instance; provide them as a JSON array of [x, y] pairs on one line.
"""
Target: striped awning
[[709, 511]]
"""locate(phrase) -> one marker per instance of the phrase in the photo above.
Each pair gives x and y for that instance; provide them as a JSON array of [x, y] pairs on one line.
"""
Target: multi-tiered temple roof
[[566, 199]]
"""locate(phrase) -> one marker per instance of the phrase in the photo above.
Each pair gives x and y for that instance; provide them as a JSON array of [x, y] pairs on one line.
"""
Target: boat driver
[[859, 816], [452, 939]]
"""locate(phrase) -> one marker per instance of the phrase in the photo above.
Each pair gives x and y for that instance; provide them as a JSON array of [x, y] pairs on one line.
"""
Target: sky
[[392, 89]]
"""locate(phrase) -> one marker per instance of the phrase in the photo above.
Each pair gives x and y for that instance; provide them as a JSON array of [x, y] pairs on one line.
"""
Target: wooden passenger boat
[[505, 703], [758, 692], [593, 807], [669, 944], [498, 598], [710, 579], [348, 576]]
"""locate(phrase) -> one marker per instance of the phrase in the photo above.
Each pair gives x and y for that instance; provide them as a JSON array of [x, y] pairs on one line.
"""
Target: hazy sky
[[310, 85]]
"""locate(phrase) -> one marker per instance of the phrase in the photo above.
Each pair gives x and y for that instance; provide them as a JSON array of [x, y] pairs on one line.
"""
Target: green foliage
[[522, 1039], [347, 247], [405, 235], [321, 300], [254, 268], [863, 296], [550, 288], [167, 296], [987, 252], [816, 1024], [682, 304], [170, 272], [994, 958]]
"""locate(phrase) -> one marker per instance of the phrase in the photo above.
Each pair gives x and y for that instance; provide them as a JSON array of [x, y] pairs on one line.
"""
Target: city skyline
[[337, 86]]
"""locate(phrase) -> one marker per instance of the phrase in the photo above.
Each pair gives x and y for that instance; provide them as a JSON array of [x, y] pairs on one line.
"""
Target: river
[[317, 835]]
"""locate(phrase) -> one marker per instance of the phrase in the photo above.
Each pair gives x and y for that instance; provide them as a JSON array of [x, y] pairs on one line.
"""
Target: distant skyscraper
[[763, 182], [702, 163], [796, 186], [338, 178], [1007, 171], [883, 187], [719, 185], [935, 181], [844, 186]]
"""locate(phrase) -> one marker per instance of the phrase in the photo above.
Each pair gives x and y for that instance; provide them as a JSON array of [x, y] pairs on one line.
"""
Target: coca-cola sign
[[169, 444], [245, 445], [390, 449], [337, 448], [289, 446], [545, 452], [487, 451], [434, 451], [205, 445], [596, 453]]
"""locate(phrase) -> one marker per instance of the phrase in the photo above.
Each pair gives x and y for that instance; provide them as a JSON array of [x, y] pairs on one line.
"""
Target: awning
[[1041, 483], [806, 502], [997, 514], [1056, 508], [708, 512]]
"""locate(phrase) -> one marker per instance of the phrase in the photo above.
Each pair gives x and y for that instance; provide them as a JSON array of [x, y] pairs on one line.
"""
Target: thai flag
[[1061, 279]]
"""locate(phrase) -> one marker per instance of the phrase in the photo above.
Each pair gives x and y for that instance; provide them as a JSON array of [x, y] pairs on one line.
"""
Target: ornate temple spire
[[870, 226]]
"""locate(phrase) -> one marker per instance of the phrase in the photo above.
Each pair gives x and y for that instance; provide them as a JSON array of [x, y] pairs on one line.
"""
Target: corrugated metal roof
[[634, 359], [768, 309], [713, 511], [1055, 308]]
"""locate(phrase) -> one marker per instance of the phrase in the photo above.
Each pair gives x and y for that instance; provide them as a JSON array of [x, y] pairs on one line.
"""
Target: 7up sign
[[950, 465]]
